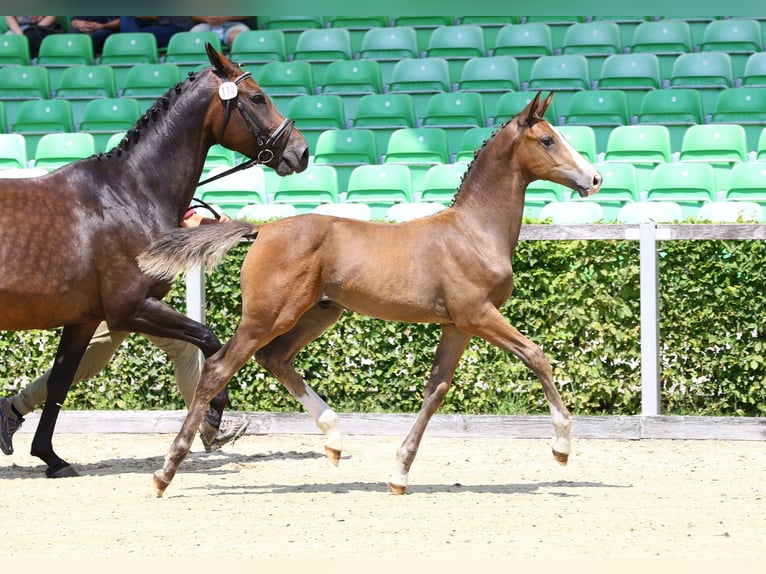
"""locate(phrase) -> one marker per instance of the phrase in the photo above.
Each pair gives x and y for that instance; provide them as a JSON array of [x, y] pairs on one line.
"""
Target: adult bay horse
[[452, 268], [69, 239]]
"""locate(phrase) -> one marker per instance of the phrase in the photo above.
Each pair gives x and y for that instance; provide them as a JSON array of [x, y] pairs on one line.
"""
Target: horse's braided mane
[[151, 114], [475, 156]]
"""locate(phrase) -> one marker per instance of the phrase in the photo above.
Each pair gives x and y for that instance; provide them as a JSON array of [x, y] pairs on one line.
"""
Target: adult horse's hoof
[[160, 484], [333, 455], [561, 457], [397, 488], [63, 470]]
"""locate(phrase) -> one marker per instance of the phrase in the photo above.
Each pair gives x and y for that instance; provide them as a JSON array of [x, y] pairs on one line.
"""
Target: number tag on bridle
[[227, 91]]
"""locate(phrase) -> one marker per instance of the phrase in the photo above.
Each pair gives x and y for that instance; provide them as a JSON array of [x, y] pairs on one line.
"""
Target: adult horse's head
[[246, 120], [546, 154]]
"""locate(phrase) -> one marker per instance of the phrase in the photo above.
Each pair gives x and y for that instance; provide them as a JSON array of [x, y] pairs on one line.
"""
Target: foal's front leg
[[448, 353], [494, 328]]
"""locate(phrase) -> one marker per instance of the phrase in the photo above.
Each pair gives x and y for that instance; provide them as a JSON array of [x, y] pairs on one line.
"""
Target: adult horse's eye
[[548, 141], [258, 99]]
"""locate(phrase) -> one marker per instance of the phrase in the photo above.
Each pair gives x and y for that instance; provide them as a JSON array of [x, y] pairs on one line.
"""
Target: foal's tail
[[180, 249]]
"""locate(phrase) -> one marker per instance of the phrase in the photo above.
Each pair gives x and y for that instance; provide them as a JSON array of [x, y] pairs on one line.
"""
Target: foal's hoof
[[397, 488], [63, 470], [160, 484], [333, 455], [561, 457]]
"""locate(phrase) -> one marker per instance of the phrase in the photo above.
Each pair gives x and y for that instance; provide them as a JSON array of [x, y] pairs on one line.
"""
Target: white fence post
[[650, 320], [195, 296]]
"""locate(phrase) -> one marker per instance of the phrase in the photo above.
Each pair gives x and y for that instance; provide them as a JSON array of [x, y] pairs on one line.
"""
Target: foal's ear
[[529, 115]]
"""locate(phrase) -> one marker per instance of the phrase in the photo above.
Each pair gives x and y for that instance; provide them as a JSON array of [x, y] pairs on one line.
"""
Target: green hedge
[[579, 300]]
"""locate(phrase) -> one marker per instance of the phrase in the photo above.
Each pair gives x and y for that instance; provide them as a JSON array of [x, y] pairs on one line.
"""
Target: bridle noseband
[[228, 92]]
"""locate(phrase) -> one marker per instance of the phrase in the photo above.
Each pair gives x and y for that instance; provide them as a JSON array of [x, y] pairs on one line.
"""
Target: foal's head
[[243, 118], [543, 153]]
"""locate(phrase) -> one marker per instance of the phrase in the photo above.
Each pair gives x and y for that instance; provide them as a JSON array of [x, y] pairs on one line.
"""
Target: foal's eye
[[258, 99], [548, 141]]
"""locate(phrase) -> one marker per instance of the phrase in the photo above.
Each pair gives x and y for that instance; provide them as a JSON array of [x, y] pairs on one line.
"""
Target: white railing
[[647, 234]]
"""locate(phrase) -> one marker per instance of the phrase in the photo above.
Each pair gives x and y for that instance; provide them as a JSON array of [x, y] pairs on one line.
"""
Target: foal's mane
[[151, 114], [476, 155]]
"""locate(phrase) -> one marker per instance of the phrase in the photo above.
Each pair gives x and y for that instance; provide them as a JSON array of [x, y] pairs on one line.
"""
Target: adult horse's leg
[[278, 356], [491, 326], [74, 340], [154, 317], [451, 347]]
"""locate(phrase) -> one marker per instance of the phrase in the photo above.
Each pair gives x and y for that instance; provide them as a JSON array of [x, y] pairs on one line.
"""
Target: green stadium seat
[[305, 190], [421, 78], [19, 84], [147, 82], [525, 43], [345, 149], [564, 74], [313, 114], [59, 51], [283, 81], [14, 50], [720, 145], [602, 110], [387, 46], [424, 26], [291, 26], [419, 149], [254, 48], [644, 146], [760, 151], [35, 118], [352, 79], [124, 50], [745, 106], [571, 212], [595, 40], [187, 50], [455, 112], [582, 138], [650, 212], [686, 183], [357, 27], [442, 182], [456, 44], [58, 149], [114, 140], [540, 193], [558, 25], [321, 47], [627, 25], [667, 39], [738, 37], [13, 151], [236, 190], [104, 117], [380, 186], [634, 74], [258, 212], [81, 84], [619, 187], [471, 141], [706, 72], [490, 27], [746, 183], [511, 103], [383, 114], [490, 76], [755, 71], [675, 109]]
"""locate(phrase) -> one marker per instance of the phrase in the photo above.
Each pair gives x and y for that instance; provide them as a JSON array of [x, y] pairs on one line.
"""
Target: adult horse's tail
[[180, 249]]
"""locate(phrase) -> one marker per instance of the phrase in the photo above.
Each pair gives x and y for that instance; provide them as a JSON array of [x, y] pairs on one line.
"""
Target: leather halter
[[228, 92]]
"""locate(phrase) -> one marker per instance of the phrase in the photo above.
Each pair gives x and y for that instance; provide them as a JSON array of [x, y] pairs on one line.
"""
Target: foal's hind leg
[[494, 328], [448, 353], [277, 357]]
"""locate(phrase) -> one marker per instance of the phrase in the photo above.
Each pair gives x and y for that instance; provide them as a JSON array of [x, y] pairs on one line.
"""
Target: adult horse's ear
[[214, 56]]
